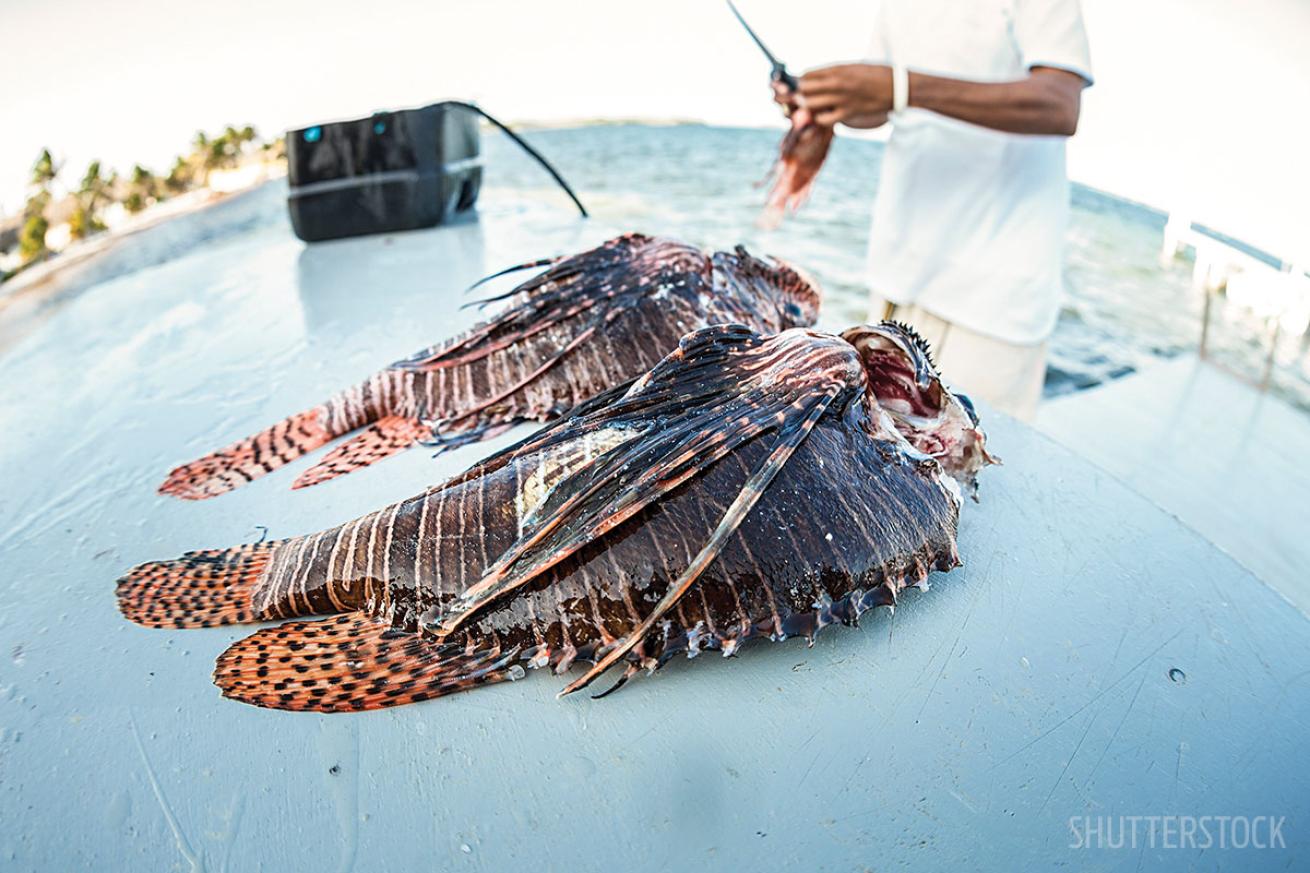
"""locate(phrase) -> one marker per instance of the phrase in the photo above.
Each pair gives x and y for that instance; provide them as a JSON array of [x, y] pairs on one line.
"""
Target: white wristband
[[900, 88]]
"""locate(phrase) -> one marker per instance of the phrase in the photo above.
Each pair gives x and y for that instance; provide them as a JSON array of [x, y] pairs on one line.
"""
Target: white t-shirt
[[969, 222]]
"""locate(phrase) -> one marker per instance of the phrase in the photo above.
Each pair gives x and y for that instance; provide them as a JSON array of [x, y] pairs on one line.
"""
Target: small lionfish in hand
[[746, 486], [590, 323], [801, 156]]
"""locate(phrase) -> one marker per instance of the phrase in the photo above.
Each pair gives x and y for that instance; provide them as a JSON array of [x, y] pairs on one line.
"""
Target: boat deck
[[1094, 657], [1229, 461]]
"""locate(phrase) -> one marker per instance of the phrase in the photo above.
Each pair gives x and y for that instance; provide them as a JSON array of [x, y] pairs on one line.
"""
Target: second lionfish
[[589, 323]]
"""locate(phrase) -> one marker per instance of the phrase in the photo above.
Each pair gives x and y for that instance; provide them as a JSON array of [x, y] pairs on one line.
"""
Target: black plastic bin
[[392, 171]]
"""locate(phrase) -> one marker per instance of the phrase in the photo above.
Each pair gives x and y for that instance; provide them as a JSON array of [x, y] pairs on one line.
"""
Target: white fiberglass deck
[[1228, 460], [1095, 657]]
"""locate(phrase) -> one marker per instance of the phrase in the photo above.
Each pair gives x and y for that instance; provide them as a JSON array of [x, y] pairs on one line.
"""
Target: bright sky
[[1199, 104]]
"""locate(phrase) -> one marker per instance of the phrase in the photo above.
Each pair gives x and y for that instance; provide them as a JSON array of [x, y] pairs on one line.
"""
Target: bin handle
[[527, 148]]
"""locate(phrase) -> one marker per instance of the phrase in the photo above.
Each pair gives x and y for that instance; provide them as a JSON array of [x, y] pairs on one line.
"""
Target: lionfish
[[800, 158], [586, 324], [746, 486]]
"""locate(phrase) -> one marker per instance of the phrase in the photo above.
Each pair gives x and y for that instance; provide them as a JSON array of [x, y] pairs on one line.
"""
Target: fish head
[[904, 382], [794, 293]]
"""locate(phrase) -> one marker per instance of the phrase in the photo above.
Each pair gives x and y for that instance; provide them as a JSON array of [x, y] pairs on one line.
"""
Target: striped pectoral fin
[[352, 662], [603, 282], [250, 458], [723, 387], [199, 589], [385, 437], [792, 433]]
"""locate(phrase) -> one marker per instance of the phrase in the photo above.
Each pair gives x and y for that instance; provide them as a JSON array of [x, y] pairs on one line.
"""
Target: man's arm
[[1048, 101]]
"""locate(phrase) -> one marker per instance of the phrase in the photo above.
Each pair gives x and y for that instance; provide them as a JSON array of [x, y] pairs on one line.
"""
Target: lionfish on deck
[[589, 323], [746, 486]]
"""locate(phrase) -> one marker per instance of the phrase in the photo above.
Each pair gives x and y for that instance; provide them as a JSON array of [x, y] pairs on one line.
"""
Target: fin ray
[[610, 278]]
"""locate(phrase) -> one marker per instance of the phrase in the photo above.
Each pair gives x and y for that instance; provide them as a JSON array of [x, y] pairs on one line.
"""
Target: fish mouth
[[904, 382], [900, 370]]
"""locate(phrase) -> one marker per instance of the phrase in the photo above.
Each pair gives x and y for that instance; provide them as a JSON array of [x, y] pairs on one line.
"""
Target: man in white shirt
[[968, 228]]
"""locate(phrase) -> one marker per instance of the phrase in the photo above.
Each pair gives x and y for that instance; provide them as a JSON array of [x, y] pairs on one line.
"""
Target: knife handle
[[786, 78]]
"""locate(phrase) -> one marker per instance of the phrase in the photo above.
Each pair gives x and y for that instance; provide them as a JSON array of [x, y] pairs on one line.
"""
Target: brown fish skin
[[587, 324], [855, 515]]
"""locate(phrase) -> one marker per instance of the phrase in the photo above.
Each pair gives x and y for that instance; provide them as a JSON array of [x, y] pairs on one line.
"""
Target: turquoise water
[[1121, 310]]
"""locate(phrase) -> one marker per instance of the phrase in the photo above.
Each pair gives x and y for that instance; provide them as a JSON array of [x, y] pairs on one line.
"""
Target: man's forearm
[[1047, 102], [860, 95]]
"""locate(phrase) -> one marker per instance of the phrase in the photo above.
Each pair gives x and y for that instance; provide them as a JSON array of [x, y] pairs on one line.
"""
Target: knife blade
[[780, 73]]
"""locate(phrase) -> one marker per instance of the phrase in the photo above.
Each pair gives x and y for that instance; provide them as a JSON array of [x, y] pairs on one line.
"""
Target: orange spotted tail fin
[[199, 589], [352, 662], [248, 459], [386, 437]]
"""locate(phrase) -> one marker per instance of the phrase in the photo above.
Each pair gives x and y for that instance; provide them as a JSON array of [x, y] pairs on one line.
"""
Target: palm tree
[[181, 177], [143, 188], [31, 240], [44, 170], [91, 196]]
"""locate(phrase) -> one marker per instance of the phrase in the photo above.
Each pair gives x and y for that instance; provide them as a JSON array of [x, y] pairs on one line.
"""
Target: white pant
[[1008, 377]]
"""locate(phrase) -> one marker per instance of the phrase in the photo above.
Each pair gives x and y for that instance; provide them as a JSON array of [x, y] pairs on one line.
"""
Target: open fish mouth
[[904, 381]]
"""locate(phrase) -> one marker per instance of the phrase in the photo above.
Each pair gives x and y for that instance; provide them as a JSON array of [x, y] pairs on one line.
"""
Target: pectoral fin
[[791, 435], [723, 387], [350, 663]]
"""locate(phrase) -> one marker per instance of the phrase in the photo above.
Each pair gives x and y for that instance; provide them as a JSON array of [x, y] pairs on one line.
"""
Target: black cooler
[[392, 171]]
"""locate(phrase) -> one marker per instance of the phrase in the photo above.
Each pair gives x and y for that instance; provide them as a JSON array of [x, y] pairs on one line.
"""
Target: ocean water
[[1121, 310]]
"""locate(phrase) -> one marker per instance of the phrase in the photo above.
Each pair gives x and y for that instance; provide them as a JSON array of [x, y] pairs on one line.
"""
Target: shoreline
[[35, 295], [80, 252]]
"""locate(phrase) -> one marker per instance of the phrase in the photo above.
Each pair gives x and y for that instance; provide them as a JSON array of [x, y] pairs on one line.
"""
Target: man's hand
[[784, 97], [857, 95], [790, 101]]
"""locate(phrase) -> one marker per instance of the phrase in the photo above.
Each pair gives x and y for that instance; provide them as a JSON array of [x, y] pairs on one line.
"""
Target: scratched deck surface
[[1029, 687], [1184, 431]]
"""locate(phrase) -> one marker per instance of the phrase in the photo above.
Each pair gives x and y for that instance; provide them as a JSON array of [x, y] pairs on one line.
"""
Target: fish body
[[587, 324], [580, 564]]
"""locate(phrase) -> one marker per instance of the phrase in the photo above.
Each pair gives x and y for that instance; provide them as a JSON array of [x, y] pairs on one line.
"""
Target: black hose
[[527, 148]]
